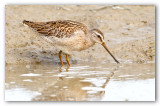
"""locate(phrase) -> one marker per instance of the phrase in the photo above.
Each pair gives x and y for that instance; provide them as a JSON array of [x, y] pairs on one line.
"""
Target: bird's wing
[[58, 29]]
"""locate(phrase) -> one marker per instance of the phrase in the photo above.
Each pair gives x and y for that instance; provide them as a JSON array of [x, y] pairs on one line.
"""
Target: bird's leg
[[67, 59], [60, 58]]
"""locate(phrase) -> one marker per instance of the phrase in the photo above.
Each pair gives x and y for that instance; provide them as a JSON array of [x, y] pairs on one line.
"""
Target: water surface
[[80, 82]]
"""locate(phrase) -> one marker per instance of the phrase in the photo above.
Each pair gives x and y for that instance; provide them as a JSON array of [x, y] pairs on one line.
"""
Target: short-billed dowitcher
[[68, 36]]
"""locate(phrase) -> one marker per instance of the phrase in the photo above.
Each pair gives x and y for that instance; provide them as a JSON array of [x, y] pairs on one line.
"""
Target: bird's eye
[[98, 36]]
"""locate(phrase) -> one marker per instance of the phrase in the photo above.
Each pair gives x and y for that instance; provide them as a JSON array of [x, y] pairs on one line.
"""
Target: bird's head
[[98, 37]]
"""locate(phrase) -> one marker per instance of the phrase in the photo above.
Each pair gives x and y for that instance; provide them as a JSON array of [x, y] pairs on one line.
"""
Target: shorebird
[[68, 36]]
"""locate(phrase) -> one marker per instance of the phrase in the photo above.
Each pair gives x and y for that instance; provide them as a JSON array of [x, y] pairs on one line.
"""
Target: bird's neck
[[89, 41]]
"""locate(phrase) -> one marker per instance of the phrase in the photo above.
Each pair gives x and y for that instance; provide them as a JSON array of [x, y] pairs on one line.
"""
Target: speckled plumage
[[58, 29]]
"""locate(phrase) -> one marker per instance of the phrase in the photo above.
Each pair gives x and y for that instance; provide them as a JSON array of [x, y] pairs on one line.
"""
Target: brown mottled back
[[58, 29]]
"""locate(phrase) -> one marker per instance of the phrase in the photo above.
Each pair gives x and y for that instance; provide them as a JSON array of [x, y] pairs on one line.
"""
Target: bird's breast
[[77, 42]]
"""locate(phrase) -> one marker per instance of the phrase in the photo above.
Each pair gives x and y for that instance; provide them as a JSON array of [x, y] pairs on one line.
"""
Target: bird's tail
[[28, 23]]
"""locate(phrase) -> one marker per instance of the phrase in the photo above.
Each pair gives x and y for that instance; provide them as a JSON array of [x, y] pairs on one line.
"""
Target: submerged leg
[[67, 59], [60, 58]]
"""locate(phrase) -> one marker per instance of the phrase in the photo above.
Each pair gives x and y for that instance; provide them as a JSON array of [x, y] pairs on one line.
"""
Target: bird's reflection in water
[[66, 69], [71, 89]]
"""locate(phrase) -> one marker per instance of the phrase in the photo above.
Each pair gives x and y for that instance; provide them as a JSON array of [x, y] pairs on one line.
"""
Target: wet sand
[[33, 72]]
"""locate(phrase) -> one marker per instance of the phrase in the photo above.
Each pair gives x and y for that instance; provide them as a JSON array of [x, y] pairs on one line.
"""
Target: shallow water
[[80, 82]]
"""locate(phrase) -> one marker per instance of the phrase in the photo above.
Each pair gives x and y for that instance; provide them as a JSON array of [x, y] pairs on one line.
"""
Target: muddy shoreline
[[129, 32]]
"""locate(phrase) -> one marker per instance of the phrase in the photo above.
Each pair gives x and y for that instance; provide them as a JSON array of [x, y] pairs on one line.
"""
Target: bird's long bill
[[105, 46]]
